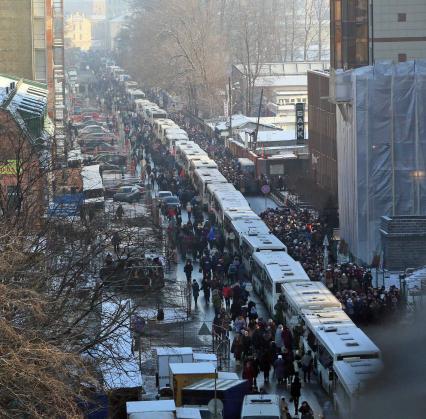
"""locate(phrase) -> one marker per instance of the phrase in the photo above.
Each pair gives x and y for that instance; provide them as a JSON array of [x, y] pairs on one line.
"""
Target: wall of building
[[398, 27], [16, 45], [322, 133], [78, 32]]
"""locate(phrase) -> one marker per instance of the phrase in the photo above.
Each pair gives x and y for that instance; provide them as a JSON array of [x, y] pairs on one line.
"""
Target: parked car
[[171, 202], [163, 194], [128, 194]]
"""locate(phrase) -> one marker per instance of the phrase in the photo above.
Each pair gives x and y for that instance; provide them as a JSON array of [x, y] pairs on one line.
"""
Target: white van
[[258, 406]]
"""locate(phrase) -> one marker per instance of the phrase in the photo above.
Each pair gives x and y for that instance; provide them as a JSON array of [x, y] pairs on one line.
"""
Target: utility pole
[[258, 121], [230, 106]]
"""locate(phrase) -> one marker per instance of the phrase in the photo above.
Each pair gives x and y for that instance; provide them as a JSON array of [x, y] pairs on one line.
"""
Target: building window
[[287, 101], [402, 58], [402, 17], [292, 101]]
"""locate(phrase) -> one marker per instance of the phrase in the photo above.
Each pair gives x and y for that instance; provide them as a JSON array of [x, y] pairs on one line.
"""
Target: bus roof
[[209, 175], [347, 341], [250, 224], [214, 187], [316, 319], [310, 295], [355, 373], [91, 178], [281, 267], [241, 214], [204, 162], [260, 242]]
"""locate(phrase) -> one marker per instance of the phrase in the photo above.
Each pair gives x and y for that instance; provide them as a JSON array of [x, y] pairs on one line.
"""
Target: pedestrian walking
[[279, 369], [115, 241], [307, 362], [195, 291], [119, 212], [295, 393], [205, 286], [189, 210], [188, 268]]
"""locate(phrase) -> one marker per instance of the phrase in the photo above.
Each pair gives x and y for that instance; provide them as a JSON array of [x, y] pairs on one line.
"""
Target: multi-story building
[[25, 145], [283, 85], [78, 31], [363, 32], [32, 47]]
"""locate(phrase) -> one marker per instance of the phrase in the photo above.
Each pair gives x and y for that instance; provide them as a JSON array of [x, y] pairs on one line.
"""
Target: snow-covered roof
[[277, 81], [150, 406], [192, 368], [174, 350]]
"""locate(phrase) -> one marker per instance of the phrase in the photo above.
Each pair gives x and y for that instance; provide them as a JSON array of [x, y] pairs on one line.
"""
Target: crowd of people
[[303, 233], [266, 347]]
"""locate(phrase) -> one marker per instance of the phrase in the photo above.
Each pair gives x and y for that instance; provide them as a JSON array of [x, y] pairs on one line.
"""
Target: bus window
[[324, 357]]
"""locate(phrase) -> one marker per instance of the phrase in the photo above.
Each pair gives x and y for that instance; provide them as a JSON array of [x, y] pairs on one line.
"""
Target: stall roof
[[192, 368], [91, 177], [170, 351], [150, 406], [209, 384]]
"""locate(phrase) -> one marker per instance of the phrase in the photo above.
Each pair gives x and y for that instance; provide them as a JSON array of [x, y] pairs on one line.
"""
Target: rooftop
[[26, 101]]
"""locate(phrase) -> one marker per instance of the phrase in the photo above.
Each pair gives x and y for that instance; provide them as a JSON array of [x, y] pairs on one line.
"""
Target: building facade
[[25, 145], [32, 47], [322, 134], [381, 148], [78, 32], [363, 32]]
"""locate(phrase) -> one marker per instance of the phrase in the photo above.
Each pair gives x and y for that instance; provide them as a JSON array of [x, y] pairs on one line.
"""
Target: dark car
[[170, 202], [128, 194]]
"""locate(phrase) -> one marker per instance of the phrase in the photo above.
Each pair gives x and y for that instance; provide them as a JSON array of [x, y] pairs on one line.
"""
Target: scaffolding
[[381, 133]]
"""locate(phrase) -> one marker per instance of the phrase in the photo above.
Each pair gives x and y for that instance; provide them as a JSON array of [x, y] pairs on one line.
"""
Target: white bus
[[340, 343], [247, 223], [258, 406], [93, 189], [226, 201], [203, 177], [350, 381], [269, 270], [136, 94], [311, 295], [253, 242], [155, 113], [192, 154], [160, 124], [203, 163], [212, 188]]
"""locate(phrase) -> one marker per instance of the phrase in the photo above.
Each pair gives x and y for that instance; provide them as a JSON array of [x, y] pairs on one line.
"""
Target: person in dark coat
[[287, 338], [188, 268], [265, 365], [195, 291], [250, 372], [306, 411], [279, 369], [295, 393]]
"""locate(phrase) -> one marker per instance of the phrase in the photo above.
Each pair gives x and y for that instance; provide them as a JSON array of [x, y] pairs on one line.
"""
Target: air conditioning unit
[[340, 90]]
